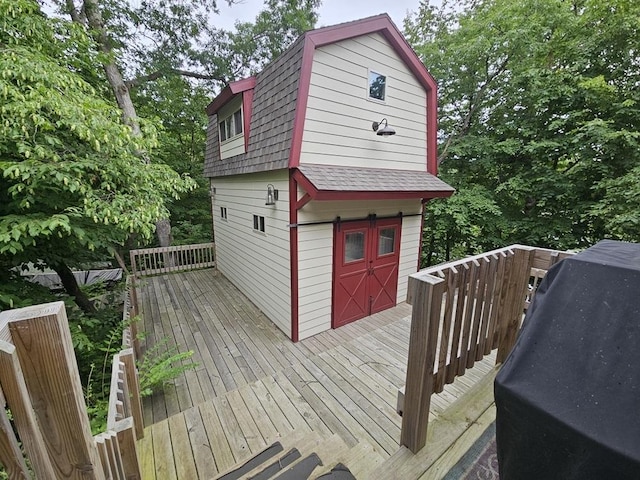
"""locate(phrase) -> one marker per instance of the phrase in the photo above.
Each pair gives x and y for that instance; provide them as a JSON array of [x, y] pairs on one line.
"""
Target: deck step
[[254, 462], [361, 460]]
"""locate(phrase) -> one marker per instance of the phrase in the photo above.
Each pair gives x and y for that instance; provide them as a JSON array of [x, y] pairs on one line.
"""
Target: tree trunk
[[72, 288], [122, 94]]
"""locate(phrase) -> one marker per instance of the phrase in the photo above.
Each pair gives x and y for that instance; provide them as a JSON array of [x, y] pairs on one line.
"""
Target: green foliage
[[538, 108], [161, 364], [71, 177]]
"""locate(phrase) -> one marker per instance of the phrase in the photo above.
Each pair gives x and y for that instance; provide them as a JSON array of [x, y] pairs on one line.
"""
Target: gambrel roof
[[276, 110]]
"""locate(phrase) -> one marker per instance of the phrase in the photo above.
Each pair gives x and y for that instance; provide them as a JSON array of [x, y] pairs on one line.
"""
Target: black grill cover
[[568, 395]]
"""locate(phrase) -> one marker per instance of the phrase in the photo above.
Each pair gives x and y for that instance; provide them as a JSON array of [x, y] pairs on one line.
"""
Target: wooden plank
[[163, 451], [231, 428], [43, 343], [19, 401], [126, 441], [201, 450], [10, 454], [278, 397], [258, 413], [145, 453], [183, 457], [270, 408], [254, 438], [219, 445], [313, 410]]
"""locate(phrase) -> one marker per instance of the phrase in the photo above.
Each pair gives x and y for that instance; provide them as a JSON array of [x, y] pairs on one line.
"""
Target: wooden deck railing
[[153, 261], [461, 312], [41, 386]]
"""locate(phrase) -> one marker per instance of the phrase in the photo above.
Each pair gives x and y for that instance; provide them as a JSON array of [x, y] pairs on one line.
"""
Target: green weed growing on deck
[[161, 364]]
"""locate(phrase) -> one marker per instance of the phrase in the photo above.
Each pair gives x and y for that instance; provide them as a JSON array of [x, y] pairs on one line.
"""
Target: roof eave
[[230, 91]]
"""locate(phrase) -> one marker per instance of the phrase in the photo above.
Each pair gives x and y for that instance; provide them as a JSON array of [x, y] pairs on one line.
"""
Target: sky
[[331, 11]]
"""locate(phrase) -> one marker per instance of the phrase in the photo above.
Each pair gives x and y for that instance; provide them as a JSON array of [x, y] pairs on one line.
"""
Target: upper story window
[[231, 125], [377, 86]]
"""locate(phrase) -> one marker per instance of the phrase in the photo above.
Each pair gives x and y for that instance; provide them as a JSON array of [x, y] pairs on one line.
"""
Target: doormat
[[481, 460]]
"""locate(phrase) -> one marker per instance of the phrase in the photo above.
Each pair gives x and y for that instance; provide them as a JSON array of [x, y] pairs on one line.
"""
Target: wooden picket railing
[[41, 386], [462, 311], [153, 261]]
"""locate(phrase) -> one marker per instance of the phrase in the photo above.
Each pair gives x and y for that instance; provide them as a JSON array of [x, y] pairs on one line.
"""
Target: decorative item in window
[[377, 86]]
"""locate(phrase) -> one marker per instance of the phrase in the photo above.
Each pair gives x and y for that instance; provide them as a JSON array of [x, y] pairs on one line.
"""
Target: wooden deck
[[334, 393]]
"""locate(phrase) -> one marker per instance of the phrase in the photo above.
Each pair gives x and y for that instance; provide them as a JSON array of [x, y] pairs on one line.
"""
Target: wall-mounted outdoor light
[[383, 131], [272, 195]]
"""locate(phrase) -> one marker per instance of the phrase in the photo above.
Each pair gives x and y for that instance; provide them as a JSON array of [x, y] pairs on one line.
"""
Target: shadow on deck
[[335, 391]]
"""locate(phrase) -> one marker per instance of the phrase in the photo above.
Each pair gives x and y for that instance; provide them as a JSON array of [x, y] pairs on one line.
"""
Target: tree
[[72, 181], [538, 105], [155, 40]]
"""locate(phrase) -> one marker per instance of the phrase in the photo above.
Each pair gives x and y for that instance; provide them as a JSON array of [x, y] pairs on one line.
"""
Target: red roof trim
[[383, 25], [301, 102], [229, 92]]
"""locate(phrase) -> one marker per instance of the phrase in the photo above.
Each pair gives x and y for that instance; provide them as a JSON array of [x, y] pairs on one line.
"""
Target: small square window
[[258, 223], [223, 213], [377, 86]]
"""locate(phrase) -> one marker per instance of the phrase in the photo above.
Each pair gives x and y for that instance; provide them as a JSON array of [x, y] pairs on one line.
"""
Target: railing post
[[425, 294], [19, 402], [133, 388], [43, 344], [125, 433], [515, 296]]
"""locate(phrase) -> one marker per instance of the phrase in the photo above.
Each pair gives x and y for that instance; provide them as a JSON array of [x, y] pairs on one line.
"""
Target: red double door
[[365, 268]]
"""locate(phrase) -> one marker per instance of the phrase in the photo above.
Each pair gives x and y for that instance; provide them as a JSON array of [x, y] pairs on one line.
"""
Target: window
[[353, 246], [223, 213], [377, 86], [386, 241], [237, 121], [231, 125], [258, 223]]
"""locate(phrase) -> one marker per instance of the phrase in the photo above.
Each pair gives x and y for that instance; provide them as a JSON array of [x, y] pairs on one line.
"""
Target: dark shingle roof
[[273, 112], [330, 178]]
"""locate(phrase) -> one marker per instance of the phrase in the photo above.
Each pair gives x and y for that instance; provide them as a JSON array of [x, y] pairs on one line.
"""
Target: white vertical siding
[[315, 254], [257, 263], [337, 129], [234, 145]]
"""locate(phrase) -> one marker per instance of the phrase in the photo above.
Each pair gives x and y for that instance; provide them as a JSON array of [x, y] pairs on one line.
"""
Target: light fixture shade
[[383, 131]]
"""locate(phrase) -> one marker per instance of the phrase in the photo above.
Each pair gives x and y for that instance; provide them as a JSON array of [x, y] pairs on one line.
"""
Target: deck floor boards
[[254, 386]]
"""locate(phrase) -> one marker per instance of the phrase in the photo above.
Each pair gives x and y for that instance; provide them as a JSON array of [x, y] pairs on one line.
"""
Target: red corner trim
[[247, 107], [229, 92], [293, 257], [301, 102]]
